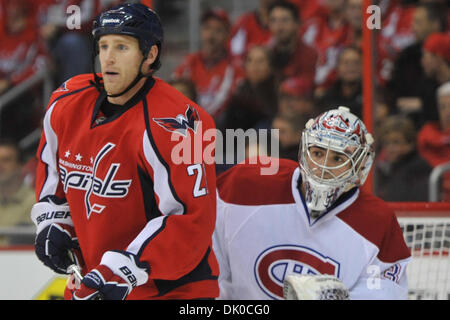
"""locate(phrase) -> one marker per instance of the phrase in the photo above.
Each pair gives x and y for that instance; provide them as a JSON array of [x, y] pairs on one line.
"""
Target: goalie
[[310, 232]]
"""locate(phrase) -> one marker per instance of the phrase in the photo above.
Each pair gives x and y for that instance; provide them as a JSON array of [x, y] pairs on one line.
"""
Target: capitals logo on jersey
[[274, 263], [181, 123], [85, 178]]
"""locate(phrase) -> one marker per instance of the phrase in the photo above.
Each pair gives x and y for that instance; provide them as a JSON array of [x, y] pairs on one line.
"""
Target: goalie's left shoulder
[[374, 220]]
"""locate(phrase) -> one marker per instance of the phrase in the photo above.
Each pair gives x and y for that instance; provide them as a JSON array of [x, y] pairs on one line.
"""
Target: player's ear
[[151, 57]]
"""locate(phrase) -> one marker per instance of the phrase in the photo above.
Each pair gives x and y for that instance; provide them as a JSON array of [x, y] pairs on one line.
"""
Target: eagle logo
[[181, 123]]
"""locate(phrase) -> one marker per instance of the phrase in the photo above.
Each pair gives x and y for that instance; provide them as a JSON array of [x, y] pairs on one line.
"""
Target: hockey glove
[[314, 287], [118, 273], [55, 236]]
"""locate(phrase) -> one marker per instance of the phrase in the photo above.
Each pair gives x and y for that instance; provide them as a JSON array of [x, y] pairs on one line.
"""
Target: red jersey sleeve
[[177, 239]]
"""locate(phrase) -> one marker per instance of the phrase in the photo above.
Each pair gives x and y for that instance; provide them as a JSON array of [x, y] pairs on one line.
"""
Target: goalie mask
[[335, 155]]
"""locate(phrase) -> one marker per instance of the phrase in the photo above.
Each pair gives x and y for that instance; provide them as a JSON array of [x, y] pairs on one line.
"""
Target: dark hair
[[286, 5]]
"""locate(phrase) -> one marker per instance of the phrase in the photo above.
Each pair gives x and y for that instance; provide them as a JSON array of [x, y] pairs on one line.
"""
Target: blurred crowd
[[273, 67]]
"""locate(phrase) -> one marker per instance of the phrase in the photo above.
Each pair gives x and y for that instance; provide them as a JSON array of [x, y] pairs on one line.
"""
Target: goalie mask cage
[[426, 229]]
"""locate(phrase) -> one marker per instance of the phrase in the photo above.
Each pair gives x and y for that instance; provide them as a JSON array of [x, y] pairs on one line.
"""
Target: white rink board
[[22, 275]]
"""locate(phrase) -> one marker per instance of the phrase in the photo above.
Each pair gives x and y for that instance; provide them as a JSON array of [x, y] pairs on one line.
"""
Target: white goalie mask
[[336, 134]]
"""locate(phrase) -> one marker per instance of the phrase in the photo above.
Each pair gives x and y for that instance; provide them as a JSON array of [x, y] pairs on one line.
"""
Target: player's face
[[337, 162], [120, 58]]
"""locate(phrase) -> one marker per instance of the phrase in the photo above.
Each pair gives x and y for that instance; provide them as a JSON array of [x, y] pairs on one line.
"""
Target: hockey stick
[[75, 271]]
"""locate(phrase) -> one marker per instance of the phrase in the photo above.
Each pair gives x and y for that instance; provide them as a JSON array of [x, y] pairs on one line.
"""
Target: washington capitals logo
[[181, 123]]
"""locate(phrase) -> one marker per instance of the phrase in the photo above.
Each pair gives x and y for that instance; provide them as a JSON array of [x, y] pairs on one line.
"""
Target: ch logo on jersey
[[273, 264], [181, 123], [107, 187]]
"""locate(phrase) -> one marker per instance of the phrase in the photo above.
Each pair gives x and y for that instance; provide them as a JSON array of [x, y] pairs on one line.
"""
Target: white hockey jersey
[[264, 232]]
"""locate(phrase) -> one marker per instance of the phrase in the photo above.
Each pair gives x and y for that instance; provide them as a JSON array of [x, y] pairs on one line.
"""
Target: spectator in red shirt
[[212, 68], [291, 56], [327, 33], [251, 28], [434, 137], [396, 33], [21, 56]]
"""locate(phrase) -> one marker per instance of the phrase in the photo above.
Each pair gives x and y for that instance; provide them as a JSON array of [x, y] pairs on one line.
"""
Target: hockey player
[[310, 218], [107, 188]]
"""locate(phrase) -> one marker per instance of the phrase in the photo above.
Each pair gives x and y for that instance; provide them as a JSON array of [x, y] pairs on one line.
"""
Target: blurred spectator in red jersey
[[401, 174], [21, 56], [395, 34], [434, 137], [412, 92], [295, 96], [251, 28], [68, 39], [212, 68], [347, 89], [254, 103], [327, 33], [291, 57], [21, 52]]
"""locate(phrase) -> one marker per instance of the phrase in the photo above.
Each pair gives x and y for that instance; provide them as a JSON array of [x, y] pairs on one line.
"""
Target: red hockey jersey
[[124, 189]]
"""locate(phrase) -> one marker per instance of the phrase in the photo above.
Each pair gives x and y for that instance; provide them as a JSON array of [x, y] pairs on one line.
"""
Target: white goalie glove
[[314, 287]]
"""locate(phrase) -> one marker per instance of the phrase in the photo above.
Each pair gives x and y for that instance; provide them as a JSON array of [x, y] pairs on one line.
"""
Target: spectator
[[254, 103], [434, 137], [408, 85], [395, 35], [436, 57], [327, 33], [347, 89], [290, 133], [21, 56], [295, 97], [186, 87], [291, 56], [71, 49], [401, 174], [16, 198], [354, 17], [212, 68], [436, 66], [308, 9], [251, 28]]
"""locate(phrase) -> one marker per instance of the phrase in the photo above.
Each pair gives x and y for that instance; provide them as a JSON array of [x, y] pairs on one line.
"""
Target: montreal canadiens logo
[[273, 264]]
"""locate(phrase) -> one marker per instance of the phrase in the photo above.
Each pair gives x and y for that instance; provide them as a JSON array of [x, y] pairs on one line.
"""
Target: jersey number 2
[[197, 169]]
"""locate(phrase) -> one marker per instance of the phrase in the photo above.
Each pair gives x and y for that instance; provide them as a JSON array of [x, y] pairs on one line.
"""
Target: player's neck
[[122, 99]]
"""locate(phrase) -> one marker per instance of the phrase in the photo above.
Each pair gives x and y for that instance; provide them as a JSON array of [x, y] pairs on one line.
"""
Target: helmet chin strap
[[139, 76]]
